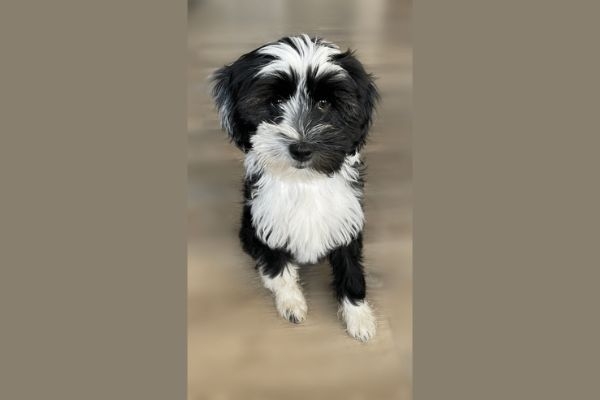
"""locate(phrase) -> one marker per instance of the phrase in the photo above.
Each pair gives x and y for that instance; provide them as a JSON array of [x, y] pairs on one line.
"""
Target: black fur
[[272, 261], [245, 100], [348, 276]]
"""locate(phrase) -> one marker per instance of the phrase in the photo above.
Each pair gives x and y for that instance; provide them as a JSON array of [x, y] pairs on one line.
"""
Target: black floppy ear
[[224, 94], [367, 93], [229, 86]]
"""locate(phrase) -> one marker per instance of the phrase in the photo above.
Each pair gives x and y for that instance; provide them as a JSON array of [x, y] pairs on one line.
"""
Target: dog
[[300, 109]]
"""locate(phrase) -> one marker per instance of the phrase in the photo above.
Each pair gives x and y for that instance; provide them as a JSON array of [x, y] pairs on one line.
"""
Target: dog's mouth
[[301, 164]]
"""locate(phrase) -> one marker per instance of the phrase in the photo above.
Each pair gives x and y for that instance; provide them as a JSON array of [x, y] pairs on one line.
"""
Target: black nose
[[300, 151]]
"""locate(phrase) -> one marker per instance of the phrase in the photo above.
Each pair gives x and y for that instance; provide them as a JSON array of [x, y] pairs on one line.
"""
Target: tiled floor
[[238, 347]]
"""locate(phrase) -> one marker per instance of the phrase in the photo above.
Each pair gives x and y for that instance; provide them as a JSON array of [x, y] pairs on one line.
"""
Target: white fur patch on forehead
[[304, 54]]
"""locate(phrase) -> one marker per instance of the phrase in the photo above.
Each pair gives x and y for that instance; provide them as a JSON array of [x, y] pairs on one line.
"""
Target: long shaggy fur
[[300, 109]]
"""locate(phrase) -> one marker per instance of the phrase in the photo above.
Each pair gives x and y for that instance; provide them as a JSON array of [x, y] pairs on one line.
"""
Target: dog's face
[[296, 103]]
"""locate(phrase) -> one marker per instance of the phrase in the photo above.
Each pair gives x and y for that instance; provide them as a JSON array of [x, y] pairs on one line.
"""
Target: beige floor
[[239, 349]]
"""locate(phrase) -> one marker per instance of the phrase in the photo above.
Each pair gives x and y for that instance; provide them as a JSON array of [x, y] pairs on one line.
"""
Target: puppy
[[300, 109]]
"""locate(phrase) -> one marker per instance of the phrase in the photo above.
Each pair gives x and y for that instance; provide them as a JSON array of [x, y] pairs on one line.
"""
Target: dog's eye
[[322, 105], [277, 101]]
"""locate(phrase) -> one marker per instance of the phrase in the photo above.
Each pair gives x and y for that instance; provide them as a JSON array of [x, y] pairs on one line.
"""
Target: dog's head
[[299, 102]]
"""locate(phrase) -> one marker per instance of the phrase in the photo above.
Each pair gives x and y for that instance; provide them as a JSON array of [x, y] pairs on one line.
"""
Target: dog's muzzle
[[300, 151]]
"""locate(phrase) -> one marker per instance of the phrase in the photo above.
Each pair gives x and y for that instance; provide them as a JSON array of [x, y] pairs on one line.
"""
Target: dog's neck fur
[[303, 211]]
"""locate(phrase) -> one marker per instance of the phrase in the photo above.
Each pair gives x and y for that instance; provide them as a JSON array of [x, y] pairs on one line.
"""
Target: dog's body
[[300, 109]]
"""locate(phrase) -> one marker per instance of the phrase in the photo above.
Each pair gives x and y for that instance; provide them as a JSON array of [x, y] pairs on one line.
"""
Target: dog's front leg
[[280, 276], [277, 272], [349, 282]]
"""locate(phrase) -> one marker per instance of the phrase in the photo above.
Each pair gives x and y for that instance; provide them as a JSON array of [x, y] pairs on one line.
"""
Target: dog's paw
[[360, 320], [291, 305], [289, 299]]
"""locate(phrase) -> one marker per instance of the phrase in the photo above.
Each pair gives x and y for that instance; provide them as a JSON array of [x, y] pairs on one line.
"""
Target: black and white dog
[[300, 109]]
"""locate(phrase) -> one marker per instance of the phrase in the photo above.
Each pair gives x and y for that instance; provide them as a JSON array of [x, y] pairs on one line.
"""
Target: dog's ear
[[367, 94], [224, 93], [230, 85]]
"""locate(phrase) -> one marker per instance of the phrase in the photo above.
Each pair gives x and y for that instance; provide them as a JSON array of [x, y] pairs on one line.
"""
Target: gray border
[[93, 259], [506, 198], [93, 303]]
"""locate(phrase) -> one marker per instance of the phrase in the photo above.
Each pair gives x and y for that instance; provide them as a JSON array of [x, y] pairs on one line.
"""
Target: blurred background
[[238, 347]]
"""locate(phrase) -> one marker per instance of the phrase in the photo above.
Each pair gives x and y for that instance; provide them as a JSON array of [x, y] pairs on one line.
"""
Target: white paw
[[359, 319], [289, 299], [291, 305]]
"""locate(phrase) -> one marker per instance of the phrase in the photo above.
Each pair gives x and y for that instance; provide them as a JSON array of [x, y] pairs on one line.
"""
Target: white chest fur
[[306, 213]]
